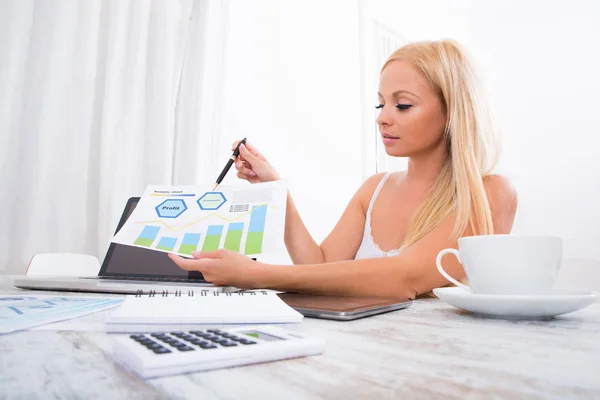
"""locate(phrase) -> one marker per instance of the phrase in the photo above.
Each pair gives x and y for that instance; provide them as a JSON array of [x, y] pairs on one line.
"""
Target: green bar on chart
[[147, 236], [254, 242], [166, 243], [256, 230], [234, 236], [189, 243], [213, 238]]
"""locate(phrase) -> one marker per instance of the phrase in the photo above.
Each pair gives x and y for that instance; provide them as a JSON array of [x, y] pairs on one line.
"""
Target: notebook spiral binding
[[191, 293]]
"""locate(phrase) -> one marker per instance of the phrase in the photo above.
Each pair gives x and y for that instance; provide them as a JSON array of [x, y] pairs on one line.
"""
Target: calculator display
[[261, 335]]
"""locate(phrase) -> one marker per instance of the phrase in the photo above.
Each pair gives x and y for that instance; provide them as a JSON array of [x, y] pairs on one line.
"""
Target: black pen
[[231, 160]]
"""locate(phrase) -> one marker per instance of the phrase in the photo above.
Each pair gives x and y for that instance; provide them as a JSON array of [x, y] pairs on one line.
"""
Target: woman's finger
[[207, 254], [253, 150], [239, 163], [245, 177], [246, 171], [187, 263], [234, 145]]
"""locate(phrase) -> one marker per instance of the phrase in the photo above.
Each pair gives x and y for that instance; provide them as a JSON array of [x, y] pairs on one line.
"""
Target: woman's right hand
[[252, 165]]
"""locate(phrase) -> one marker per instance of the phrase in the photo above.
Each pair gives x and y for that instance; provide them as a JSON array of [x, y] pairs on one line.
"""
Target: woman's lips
[[389, 139]]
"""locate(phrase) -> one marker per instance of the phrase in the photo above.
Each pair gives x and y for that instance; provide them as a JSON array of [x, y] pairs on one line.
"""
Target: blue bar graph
[[257, 219], [256, 230], [147, 236], [213, 238], [189, 243], [166, 243]]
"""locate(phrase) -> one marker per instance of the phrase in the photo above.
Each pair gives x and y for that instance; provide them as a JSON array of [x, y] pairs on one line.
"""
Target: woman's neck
[[426, 167]]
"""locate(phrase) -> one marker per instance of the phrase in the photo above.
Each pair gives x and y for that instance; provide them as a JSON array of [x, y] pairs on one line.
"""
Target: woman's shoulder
[[499, 187], [375, 179], [368, 187], [371, 183], [503, 200]]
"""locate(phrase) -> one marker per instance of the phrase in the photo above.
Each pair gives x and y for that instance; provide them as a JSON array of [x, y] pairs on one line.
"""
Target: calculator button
[[185, 348], [228, 344], [208, 346], [135, 337], [161, 350], [154, 346], [246, 341], [213, 330]]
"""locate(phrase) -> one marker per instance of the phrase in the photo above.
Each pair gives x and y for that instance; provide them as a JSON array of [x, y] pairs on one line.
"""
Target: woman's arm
[[408, 274], [343, 241]]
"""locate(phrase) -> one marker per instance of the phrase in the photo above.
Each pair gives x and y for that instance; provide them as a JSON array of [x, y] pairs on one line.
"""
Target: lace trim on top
[[368, 232]]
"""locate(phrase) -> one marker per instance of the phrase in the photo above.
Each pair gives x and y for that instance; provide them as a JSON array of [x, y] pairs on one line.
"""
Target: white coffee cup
[[507, 264]]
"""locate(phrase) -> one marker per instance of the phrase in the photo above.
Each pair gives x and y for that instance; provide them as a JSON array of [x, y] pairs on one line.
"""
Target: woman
[[387, 240]]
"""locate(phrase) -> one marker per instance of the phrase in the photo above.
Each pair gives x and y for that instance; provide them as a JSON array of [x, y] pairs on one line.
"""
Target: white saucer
[[517, 306]]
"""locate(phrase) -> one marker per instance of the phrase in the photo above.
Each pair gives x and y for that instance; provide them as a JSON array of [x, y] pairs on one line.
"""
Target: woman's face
[[412, 118]]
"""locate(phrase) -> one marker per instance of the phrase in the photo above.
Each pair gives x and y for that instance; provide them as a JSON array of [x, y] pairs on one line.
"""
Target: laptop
[[341, 308], [126, 269]]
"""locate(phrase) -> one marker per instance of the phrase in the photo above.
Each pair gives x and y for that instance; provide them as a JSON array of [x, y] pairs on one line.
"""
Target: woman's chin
[[395, 152]]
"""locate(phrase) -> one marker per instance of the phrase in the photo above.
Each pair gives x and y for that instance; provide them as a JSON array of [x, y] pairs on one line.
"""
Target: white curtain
[[90, 113]]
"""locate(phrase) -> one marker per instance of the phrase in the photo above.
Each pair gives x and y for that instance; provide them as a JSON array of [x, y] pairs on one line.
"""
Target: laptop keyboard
[[151, 279]]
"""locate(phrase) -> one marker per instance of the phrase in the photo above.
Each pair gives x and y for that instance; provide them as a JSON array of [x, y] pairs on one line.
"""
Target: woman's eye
[[403, 106], [379, 106]]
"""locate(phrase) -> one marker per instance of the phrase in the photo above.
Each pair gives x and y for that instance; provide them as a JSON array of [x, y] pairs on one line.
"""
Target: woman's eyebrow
[[399, 92]]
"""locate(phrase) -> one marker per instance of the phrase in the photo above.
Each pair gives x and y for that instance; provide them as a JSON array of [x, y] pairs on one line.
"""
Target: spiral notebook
[[160, 311]]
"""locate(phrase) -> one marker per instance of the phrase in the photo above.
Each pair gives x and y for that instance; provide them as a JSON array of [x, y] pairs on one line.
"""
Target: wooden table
[[429, 350]]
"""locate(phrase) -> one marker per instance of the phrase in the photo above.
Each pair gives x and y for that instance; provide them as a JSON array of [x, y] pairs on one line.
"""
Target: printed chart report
[[247, 219]]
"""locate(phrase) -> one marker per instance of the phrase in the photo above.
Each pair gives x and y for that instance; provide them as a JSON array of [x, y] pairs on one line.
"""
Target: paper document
[[95, 322], [247, 219], [19, 312]]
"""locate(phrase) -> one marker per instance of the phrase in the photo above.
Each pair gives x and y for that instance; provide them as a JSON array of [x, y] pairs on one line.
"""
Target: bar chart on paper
[[249, 220]]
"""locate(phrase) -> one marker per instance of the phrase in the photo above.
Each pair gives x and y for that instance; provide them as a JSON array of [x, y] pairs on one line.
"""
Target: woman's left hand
[[224, 268]]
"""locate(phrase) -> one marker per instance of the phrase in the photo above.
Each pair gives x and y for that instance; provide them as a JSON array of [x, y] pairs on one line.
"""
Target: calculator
[[151, 355]]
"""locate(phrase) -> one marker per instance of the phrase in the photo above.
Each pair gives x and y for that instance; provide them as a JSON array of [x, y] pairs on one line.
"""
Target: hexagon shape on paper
[[211, 201], [171, 208]]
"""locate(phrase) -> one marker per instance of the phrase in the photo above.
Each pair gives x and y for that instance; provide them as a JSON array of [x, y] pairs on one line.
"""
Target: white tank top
[[368, 248]]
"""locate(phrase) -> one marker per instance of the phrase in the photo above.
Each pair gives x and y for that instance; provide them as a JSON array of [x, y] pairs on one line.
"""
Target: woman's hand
[[252, 165], [224, 268]]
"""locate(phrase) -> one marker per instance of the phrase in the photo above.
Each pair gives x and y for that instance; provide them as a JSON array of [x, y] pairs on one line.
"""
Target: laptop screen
[[129, 261]]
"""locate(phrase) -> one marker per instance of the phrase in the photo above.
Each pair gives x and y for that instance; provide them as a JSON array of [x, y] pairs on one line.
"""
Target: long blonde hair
[[473, 141]]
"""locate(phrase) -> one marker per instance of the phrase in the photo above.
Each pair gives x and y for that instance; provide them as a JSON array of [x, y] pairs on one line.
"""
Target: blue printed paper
[[19, 312]]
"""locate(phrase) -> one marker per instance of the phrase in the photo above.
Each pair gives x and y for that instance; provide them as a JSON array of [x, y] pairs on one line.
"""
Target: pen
[[231, 160]]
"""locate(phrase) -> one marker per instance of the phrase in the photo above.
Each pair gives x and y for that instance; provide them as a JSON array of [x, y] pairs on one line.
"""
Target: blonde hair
[[473, 144]]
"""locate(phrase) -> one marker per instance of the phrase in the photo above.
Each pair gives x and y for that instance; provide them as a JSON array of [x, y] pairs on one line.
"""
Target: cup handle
[[438, 263]]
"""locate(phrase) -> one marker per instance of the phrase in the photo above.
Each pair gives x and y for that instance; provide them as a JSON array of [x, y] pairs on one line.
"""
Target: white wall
[[292, 87], [540, 60]]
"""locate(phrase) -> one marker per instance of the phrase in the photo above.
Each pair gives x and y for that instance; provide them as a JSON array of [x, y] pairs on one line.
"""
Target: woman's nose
[[383, 118]]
